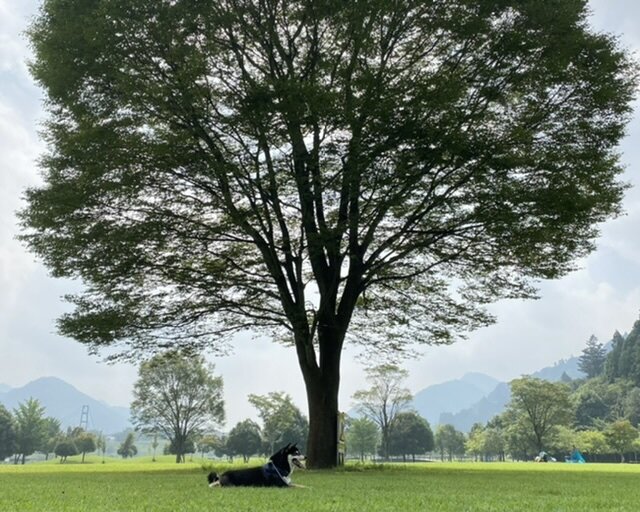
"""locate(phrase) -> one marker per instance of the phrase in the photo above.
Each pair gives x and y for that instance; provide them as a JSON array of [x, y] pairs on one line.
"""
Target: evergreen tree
[[627, 362], [624, 360], [593, 357], [634, 354], [613, 359], [31, 428]]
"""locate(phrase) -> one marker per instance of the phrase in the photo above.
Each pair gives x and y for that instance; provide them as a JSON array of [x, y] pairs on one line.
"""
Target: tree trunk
[[322, 397], [321, 371]]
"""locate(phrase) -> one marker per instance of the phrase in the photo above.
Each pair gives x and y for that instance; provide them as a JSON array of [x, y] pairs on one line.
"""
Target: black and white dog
[[275, 473]]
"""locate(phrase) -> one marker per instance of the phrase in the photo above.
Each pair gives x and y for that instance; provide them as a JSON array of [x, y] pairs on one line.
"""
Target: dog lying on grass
[[275, 473]]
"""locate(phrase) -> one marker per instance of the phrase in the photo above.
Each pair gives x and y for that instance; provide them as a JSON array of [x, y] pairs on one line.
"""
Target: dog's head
[[289, 457]]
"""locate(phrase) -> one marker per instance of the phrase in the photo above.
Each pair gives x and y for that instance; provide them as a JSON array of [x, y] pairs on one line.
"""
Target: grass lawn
[[457, 487]]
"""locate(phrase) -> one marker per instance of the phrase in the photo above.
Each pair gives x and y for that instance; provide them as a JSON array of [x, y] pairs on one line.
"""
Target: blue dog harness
[[273, 476]]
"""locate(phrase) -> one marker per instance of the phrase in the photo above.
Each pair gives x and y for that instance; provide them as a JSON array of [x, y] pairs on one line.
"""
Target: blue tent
[[576, 457]]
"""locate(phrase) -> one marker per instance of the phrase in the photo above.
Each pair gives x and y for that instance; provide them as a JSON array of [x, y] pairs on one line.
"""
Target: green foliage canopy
[[7, 433], [411, 435], [620, 436], [282, 421], [362, 437], [244, 439], [65, 448], [31, 428], [177, 394], [540, 406], [85, 442], [384, 400], [623, 362], [449, 441], [127, 448]]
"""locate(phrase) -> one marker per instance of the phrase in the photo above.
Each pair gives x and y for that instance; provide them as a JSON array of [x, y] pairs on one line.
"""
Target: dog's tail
[[213, 479]]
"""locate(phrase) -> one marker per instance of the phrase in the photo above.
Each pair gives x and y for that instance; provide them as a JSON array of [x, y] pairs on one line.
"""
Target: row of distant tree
[[540, 416], [599, 414], [27, 430], [178, 398]]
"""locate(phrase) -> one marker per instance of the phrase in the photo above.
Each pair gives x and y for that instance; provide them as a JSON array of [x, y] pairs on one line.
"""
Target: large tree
[[305, 167], [540, 406], [177, 394]]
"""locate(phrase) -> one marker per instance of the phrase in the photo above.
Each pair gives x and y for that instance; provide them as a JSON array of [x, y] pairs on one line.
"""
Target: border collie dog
[[275, 473]]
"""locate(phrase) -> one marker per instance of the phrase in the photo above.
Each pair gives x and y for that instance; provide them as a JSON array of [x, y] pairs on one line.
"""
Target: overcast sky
[[601, 297]]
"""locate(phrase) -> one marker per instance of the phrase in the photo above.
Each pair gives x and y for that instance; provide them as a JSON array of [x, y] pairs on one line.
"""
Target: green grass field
[[456, 487]]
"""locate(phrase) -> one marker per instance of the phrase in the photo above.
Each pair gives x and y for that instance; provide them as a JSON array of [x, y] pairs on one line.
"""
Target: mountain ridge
[[476, 406], [64, 402]]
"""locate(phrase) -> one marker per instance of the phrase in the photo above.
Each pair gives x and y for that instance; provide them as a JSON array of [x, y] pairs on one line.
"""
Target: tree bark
[[322, 384], [322, 397]]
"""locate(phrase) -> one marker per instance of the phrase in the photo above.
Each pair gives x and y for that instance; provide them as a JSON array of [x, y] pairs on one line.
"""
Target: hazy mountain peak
[[481, 381], [64, 402], [453, 395]]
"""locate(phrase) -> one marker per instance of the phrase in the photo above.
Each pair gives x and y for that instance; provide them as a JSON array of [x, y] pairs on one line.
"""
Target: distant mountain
[[481, 381], [64, 402], [476, 398], [480, 412], [4, 388], [554, 373], [452, 396]]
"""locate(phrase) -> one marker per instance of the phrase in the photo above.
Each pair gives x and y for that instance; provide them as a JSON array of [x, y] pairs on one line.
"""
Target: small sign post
[[342, 442]]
